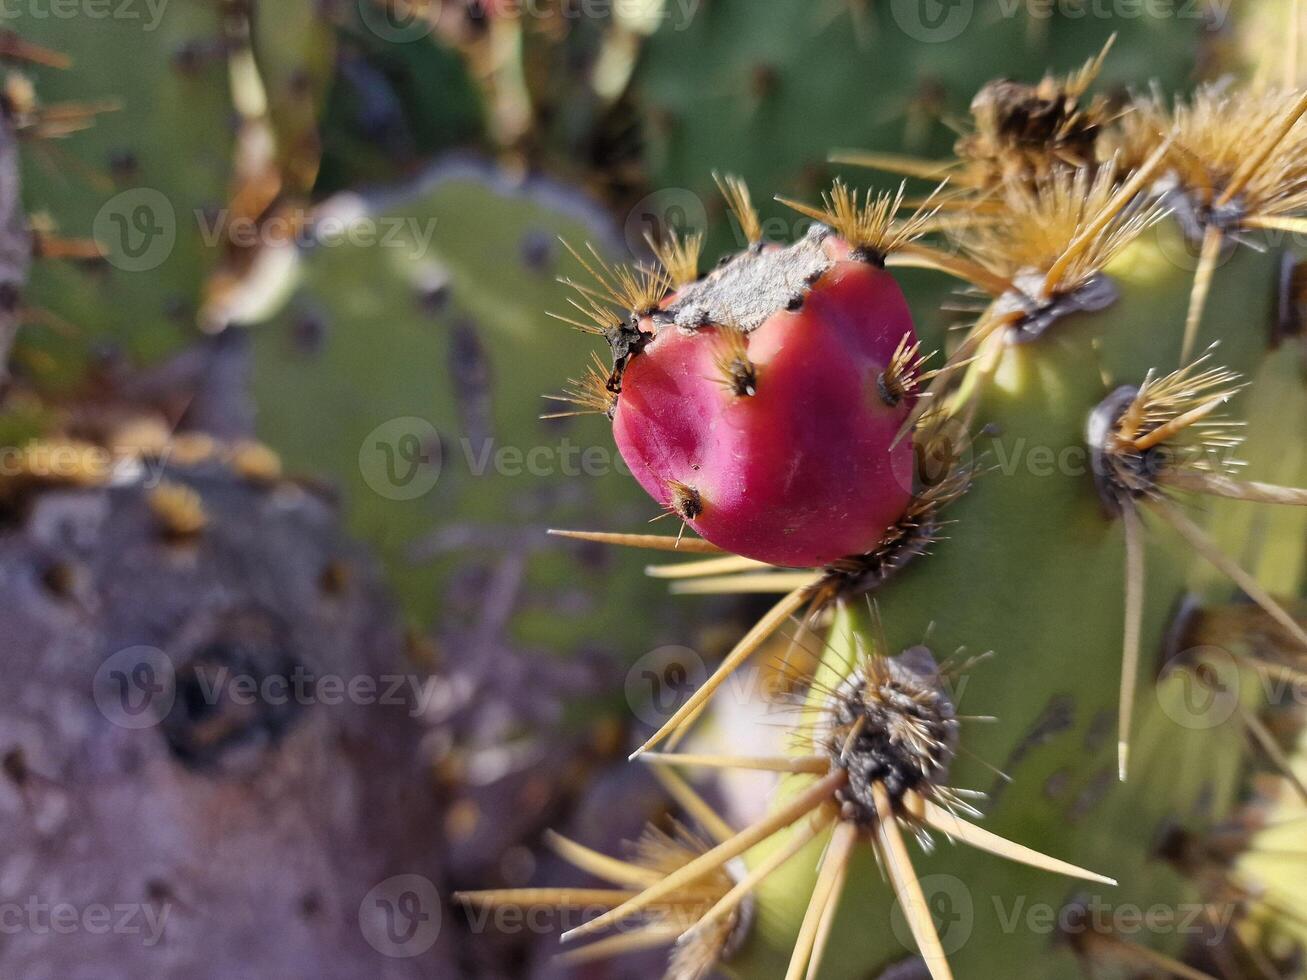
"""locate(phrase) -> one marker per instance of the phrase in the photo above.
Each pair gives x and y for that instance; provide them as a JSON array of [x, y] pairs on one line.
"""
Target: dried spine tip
[[902, 376], [678, 256], [738, 374], [590, 393], [680, 917], [738, 199], [870, 227], [684, 500], [636, 290], [1166, 424]]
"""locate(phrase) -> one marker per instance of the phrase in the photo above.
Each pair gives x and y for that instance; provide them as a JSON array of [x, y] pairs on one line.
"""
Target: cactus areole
[[764, 409]]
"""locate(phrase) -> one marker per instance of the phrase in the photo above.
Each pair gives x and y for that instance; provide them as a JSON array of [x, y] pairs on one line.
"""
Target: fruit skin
[[802, 472]]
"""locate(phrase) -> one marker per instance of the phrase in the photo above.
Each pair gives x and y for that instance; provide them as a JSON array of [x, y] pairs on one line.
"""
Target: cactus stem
[[1208, 257], [1208, 550], [749, 643], [654, 542], [817, 794], [1134, 608], [738, 199]]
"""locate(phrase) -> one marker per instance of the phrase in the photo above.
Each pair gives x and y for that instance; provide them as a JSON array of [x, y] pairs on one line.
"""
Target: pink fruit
[[763, 408]]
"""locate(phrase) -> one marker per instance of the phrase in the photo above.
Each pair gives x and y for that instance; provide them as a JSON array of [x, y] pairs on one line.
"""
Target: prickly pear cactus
[[1031, 712], [126, 172], [441, 478]]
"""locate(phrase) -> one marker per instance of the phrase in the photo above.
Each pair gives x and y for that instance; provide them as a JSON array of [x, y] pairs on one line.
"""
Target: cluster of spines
[[1029, 237]]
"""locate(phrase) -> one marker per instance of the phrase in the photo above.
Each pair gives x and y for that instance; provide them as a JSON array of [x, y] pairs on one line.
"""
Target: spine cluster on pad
[[780, 408]]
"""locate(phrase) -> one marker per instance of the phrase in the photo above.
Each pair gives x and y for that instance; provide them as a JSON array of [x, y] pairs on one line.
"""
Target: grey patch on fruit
[[753, 285]]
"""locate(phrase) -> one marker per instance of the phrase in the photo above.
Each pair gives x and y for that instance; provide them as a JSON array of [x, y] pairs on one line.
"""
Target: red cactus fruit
[[764, 400]]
